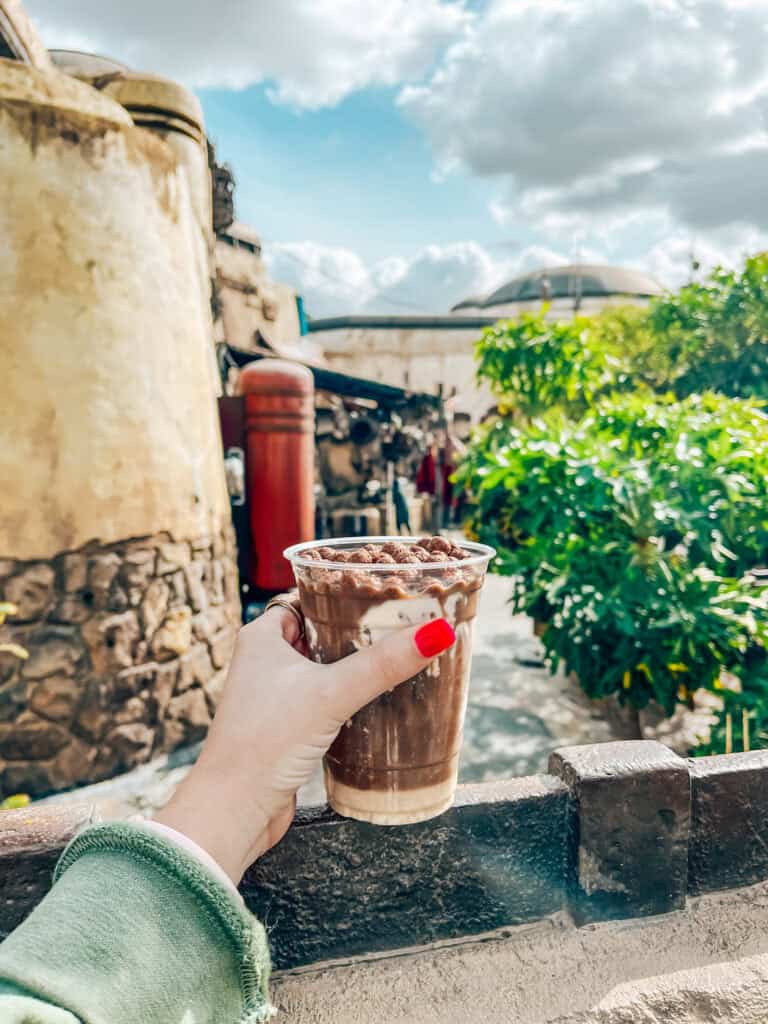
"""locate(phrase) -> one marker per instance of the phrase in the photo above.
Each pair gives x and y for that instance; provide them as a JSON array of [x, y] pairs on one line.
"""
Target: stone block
[[7, 567], [72, 609], [178, 585], [10, 664], [72, 765], [197, 593], [117, 599], [13, 698], [138, 567], [102, 570], [154, 606], [162, 688], [31, 590], [194, 668], [205, 625], [132, 742], [215, 582], [95, 714], [56, 698], [629, 846], [190, 709], [172, 556], [729, 821], [52, 654], [131, 710], [131, 681], [495, 859], [110, 640], [74, 572], [30, 738], [174, 636]]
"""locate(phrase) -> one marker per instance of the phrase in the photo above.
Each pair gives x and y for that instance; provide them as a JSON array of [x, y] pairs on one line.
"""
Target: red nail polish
[[434, 637]]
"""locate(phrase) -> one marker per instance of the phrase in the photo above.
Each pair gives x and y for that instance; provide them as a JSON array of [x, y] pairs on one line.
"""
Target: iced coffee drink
[[396, 760]]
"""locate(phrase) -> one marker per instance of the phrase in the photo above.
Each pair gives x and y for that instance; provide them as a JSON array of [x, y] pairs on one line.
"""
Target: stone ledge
[[506, 854], [496, 858], [728, 844], [31, 840]]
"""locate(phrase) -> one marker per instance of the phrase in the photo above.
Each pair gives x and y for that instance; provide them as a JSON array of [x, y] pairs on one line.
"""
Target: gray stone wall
[[128, 648]]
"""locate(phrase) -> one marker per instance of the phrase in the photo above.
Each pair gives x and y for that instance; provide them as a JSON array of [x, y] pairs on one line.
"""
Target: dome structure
[[573, 283]]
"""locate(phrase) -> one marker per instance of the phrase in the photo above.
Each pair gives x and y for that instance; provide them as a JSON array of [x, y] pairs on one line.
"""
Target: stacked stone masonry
[[128, 648]]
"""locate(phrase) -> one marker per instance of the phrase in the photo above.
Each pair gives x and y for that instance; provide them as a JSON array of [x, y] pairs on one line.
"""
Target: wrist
[[227, 825]]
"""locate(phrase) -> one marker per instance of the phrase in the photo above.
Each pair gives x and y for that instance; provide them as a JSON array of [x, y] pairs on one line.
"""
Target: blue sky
[[402, 154], [358, 175]]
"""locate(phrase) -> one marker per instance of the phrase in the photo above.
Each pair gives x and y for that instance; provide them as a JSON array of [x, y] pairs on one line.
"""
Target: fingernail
[[434, 637]]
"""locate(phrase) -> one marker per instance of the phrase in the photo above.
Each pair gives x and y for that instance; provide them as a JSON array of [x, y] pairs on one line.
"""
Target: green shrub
[[631, 533]]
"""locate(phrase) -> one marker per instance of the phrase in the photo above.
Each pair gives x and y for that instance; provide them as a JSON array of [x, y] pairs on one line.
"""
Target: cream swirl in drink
[[396, 760]]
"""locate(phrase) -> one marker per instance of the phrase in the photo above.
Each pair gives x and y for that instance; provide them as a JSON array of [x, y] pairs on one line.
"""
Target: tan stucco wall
[[247, 293], [109, 425], [706, 963], [414, 358]]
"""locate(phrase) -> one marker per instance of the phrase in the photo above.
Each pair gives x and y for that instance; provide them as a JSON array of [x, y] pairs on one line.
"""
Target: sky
[[401, 155]]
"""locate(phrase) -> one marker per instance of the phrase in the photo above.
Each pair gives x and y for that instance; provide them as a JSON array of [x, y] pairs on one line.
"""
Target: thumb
[[360, 677]]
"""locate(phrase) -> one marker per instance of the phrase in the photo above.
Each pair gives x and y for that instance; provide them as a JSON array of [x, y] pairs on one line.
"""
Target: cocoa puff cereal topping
[[429, 549]]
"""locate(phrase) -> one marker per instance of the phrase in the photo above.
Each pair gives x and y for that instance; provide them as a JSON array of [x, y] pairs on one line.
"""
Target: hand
[[279, 714]]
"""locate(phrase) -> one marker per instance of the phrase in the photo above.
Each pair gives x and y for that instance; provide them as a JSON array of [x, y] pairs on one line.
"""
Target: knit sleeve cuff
[[215, 898]]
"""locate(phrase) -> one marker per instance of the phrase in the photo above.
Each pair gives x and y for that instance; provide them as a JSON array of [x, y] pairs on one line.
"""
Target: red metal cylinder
[[280, 465]]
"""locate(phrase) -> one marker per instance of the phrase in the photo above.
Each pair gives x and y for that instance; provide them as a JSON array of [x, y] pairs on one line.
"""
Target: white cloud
[[337, 281], [589, 108], [311, 52]]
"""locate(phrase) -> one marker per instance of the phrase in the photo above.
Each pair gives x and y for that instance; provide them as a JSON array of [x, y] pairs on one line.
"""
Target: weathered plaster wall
[[251, 301], [115, 528], [413, 358], [109, 427]]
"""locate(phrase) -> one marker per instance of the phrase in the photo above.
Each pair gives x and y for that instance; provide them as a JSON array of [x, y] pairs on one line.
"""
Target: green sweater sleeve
[[134, 930]]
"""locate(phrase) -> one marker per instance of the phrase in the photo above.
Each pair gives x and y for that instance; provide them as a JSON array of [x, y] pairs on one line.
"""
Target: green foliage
[[715, 335], [537, 364], [630, 533]]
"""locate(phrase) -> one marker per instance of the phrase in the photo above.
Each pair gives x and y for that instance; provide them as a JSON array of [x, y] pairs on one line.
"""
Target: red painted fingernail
[[434, 638]]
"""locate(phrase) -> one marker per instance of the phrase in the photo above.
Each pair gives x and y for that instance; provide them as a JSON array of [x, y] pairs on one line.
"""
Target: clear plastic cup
[[396, 761]]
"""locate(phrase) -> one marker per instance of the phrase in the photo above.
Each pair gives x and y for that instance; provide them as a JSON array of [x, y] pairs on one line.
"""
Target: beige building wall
[[417, 358], [109, 421], [116, 544], [251, 302]]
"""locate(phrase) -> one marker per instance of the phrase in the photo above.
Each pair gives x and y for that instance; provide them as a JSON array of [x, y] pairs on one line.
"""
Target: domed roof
[[572, 281]]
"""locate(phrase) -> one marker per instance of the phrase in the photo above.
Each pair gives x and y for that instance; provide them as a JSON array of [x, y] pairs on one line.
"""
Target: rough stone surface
[[729, 821], [30, 590], [126, 644], [629, 845], [154, 606], [56, 698], [171, 557], [74, 570], [175, 635], [495, 859]]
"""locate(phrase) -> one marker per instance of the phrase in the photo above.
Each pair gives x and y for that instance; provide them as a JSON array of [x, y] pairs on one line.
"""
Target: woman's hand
[[279, 714]]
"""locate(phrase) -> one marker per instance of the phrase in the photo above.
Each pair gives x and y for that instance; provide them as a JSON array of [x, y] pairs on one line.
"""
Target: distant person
[[402, 515]]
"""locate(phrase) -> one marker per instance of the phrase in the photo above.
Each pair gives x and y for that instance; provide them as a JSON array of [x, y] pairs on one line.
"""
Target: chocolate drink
[[396, 760]]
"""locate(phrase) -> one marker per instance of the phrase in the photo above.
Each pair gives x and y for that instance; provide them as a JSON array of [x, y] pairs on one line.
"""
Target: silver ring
[[282, 602]]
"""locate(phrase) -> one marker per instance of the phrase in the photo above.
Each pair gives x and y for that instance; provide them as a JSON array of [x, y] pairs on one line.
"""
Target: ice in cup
[[396, 761]]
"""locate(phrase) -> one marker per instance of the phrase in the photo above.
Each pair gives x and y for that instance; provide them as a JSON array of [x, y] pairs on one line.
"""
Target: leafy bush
[[537, 365], [631, 533], [715, 335]]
